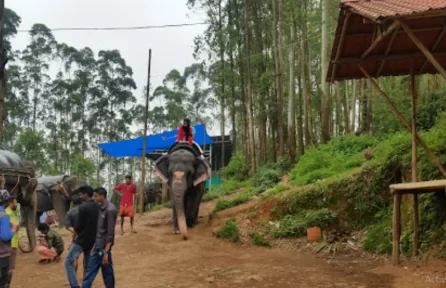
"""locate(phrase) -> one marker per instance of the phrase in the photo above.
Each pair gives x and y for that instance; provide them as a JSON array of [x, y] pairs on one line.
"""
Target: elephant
[[56, 192], [183, 169], [18, 179], [153, 193]]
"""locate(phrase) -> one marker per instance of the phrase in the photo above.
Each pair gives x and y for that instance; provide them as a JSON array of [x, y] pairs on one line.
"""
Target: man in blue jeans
[[84, 233], [101, 256]]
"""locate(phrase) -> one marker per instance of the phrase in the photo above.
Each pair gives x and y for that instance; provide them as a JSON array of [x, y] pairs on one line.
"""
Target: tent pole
[[143, 160]]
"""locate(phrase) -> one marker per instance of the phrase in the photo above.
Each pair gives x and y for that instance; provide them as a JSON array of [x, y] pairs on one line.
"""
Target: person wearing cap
[[51, 246], [128, 190], [11, 210], [84, 233], [101, 256], [7, 232]]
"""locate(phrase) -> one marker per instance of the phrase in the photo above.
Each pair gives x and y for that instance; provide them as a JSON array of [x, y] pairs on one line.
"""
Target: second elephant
[[56, 192]]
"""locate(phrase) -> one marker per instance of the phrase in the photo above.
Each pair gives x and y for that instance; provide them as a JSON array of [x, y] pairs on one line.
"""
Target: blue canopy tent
[[133, 147]]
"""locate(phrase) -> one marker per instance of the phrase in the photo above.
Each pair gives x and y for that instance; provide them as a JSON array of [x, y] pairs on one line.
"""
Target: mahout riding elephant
[[183, 170], [56, 192], [18, 179]]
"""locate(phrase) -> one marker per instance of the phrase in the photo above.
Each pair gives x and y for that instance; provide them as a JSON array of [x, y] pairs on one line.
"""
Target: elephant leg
[[39, 214], [176, 229], [193, 206], [61, 205]]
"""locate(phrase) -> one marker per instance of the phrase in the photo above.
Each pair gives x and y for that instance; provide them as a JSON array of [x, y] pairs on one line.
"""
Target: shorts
[[126, 211]]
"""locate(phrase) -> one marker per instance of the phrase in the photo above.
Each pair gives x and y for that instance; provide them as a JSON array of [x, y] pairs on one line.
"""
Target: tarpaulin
[[134, 147]]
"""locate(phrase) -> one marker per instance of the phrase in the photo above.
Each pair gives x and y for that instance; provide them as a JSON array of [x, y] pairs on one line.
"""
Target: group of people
[[92, 224]]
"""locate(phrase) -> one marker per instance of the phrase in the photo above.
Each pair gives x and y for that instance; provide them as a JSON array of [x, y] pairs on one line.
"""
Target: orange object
[[314, 234]]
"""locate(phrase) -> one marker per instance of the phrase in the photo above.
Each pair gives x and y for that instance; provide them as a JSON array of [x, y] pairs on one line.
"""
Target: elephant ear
[[162, 168], [202, 171]]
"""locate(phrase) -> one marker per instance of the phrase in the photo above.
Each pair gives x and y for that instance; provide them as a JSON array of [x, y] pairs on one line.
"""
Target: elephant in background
[[183, 170], [153, 193], [20, 182], [56, 192]]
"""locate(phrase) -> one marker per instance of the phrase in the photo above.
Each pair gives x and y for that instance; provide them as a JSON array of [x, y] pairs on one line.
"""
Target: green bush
[[265, 178], [237, 169], [241, 198], [226, 188], [229, 231], [289, 226], [259, 240], [379, 237], [322, 218]]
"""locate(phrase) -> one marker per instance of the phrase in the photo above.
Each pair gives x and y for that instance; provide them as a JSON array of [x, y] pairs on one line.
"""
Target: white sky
[[171, 47]]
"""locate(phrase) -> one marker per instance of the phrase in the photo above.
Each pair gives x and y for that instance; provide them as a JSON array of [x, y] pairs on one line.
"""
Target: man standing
[[70, 223], [7, 231], [11, 210], [85, 230], [128, 190], [101, 256]]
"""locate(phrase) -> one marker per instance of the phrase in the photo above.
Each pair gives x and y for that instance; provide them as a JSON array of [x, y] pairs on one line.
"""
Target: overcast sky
[[171, 47]]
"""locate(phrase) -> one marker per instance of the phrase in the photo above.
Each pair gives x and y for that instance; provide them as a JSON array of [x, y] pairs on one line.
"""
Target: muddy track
[[154, 257]]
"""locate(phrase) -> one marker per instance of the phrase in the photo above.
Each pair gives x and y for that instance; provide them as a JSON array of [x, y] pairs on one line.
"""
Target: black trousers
[[4, 272]]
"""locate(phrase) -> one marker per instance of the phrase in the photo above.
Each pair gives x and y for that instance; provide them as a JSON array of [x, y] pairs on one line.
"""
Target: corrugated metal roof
[[390, 8]]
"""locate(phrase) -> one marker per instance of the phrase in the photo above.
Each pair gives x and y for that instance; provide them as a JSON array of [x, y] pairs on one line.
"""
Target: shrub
[[322, 218], [229, 230], [226, 188], [259, 240], [379, 237], [265, 178], [237, 168], [289, 226], [241, 198]]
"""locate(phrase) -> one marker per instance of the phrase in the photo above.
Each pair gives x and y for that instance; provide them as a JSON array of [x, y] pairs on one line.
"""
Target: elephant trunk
[[179, 190]]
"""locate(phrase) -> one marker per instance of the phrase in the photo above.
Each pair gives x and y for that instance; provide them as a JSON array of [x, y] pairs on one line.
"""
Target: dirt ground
[[154, 257]]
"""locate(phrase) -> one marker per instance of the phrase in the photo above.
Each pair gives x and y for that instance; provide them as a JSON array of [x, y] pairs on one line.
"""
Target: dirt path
[[154, 257]]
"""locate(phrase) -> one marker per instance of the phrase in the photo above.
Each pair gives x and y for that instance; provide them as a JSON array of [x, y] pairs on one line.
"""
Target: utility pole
[[146, 119], [2, 69]]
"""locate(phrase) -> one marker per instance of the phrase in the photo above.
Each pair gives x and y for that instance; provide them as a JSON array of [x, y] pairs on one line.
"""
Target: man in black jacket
[[85, 230]]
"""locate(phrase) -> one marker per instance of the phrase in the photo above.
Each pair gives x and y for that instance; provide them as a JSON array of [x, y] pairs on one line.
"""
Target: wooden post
[[404, 121], [414, 164], [396, 227], [423, 48], [143, 159]]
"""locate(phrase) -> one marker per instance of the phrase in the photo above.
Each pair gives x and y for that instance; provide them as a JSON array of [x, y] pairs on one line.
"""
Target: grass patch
[[275, 191], [259, 240], [226, 188], [229, 230], [241, 198]]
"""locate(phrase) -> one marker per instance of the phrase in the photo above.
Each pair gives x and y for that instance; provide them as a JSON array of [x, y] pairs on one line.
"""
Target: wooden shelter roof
[[362, 22]]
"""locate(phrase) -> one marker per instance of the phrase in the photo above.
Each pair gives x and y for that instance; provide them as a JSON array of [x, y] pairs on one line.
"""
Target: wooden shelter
[[377, 38]]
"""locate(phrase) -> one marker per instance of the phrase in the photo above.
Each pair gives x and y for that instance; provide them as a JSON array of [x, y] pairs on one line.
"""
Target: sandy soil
[[154, 257]]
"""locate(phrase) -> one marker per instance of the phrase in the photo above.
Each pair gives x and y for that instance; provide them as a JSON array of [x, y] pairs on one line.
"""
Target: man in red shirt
[[128, 190]]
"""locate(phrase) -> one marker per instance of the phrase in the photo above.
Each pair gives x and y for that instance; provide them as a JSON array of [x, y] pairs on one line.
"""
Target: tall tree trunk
[[346, 110], [354, 96], [369, 110], [222, 100], [363, 119], [306, 74], [338, 109], [231, 64], [325, 58], [278, 60], [292, 98], [250, 94]]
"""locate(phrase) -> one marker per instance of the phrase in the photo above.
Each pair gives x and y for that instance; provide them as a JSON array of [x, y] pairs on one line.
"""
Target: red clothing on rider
[[181, 135]]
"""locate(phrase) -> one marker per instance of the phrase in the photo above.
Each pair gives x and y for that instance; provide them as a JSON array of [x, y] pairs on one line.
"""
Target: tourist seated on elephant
[[186, 134], [50, 246]]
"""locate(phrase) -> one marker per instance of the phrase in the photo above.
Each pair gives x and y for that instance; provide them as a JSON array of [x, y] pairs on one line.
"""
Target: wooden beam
[[396, 227], [426, 29], [375, 58], [380, 38], [435, 46], [403, 120], [389, 46], [423, 48], [414, 163], [340, 45]]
